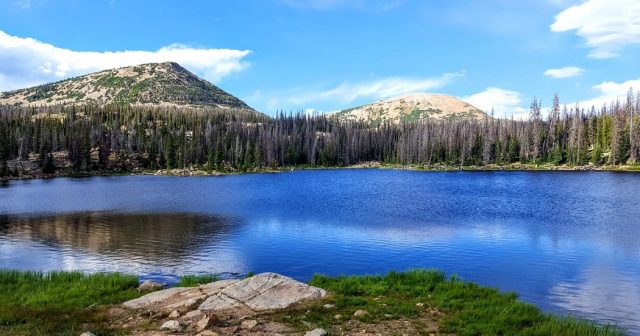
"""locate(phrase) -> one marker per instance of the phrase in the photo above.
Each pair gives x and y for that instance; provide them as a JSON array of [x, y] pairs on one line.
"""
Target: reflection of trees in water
[[152, 237]]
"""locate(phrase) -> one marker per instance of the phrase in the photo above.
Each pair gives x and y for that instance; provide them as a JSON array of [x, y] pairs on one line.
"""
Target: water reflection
[[596, 290], [115, 241]]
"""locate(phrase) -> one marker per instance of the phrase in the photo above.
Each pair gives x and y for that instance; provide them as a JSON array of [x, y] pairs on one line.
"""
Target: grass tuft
[[195, 280]]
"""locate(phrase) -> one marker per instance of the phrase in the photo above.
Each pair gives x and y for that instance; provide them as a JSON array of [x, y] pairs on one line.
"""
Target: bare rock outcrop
[[210, 306], [262, 292], [178, 297]]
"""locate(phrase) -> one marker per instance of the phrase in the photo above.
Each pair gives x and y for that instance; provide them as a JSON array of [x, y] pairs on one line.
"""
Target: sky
[[327, 55]]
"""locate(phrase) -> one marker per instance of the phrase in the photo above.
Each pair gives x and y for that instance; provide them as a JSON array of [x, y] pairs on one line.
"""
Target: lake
[[566, 241]]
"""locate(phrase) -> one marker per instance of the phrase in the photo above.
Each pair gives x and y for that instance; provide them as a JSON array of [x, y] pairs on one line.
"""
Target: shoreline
[[188, 172], [413, 301]]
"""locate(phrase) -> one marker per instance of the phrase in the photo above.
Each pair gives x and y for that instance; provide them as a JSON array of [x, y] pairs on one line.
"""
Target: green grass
[[59, 303], [469, 309], [69, 303], [195, 280]]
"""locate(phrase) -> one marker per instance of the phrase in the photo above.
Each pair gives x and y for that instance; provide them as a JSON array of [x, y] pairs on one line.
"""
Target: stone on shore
[[178, 297], [171, 325], [316, 332], [149, 285], [262, 292], [200, 308], [360, 313], [248, 324], [205, 323]]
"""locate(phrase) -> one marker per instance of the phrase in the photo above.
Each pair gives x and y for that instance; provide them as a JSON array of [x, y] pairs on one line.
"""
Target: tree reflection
[[167, 237]]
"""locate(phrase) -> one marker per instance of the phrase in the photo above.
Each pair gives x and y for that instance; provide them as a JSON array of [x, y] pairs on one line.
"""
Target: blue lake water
[[566, 241]]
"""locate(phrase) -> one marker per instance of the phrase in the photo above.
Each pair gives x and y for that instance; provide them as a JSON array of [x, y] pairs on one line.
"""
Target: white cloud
[[26, 61], [321, 5], [564, 72], [505, 103], [610, 92], [25, 4], [605, 25], [378, 89]]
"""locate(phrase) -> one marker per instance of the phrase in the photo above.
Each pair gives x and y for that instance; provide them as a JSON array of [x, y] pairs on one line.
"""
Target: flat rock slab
[[262, 292], [178, 297]]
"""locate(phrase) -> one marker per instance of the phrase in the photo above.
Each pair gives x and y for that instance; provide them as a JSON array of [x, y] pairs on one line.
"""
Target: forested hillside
[[122, 137]]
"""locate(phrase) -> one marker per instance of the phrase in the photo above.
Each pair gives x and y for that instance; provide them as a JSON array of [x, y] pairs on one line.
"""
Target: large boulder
[[178, 297], [262, 292]]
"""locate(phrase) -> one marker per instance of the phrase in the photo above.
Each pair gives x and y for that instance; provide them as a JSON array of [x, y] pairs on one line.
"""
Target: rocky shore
[[22, 173], [225, 307]]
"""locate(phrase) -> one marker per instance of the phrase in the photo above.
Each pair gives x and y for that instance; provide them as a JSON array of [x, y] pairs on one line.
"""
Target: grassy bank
[[60, 303], [463, 308], [69, 303]]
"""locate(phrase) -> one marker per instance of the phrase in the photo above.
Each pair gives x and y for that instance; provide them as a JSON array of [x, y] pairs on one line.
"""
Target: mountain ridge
[[413, 106], [151, 84]]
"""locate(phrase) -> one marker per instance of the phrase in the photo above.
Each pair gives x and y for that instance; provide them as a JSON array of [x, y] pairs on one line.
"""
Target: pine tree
[[513, 150], [211, 164]]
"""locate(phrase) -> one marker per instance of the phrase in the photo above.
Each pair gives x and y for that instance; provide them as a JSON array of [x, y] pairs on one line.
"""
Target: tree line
[[121, 137]]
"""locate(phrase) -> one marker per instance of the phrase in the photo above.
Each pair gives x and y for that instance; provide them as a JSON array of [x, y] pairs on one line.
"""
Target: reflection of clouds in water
[[602, 292], [371, 234]]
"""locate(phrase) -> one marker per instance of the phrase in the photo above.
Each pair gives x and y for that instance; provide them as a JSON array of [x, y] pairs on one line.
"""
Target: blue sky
[[332, 54]]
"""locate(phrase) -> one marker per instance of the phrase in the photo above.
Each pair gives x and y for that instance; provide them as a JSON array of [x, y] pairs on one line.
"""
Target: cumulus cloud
[[26, 61], [610, 92], [378, 89], [505, 103], [565, 72], [606, 26]]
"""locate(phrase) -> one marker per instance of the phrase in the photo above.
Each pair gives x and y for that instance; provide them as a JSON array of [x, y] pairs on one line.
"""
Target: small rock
[[388, 315], [149, 285], [189, 303], [174, 314], [208, 333], [329, 306], [307, 324], [172, 325], [316, 332], [419, 304], [205, 323], [360, 313], [87, 333], [248, 324], [337, 317], [193, 314]]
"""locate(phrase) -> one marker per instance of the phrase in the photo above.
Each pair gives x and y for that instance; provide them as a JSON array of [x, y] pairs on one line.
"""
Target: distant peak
[[413, 106], [160, 84]]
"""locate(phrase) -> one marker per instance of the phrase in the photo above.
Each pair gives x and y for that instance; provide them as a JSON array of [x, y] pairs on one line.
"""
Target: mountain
[[413, 106], [155, 84]]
